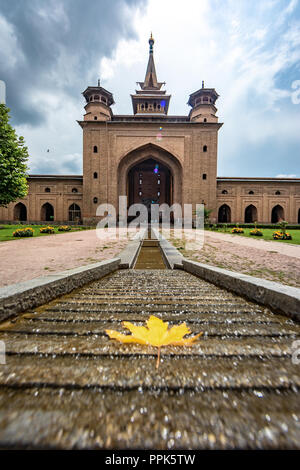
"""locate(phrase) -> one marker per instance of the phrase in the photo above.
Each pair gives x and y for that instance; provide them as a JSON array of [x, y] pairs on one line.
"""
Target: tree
[[13, 158]]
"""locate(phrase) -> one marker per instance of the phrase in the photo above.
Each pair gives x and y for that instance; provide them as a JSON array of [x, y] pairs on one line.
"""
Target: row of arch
[[250, 214], [47, 212]]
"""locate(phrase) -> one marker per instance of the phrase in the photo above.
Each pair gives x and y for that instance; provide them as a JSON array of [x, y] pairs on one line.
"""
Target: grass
[[6, 231], [267, 235]]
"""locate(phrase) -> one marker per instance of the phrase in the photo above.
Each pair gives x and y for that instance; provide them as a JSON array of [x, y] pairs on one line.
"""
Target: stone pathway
[[28, 258], [66, 385]]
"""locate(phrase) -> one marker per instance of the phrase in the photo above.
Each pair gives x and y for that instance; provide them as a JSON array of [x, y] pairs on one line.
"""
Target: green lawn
[[6, 231], [267, 235]]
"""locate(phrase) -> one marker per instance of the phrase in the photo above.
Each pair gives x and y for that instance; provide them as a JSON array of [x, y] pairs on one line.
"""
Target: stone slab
[[22, 296], [278, 297]]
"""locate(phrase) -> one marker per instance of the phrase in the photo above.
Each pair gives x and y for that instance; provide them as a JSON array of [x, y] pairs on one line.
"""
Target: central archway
[[150, 174]]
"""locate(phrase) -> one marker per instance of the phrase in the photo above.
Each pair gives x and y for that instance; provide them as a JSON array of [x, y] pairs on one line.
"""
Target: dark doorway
[[277, 214], [250, 214], [47, 212], [224, 214], [149, 182], [298, 216], [74, 213], [20, 212]]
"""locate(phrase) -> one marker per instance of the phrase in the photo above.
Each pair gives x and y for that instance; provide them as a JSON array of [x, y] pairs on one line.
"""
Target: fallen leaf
[[155, 334]]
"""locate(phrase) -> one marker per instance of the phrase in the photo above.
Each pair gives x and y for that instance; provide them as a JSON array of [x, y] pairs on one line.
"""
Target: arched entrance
[[224, 214], [277, 214], [250, 214], [20, 212], [150, 174], [149, 182], [47, 212], [74, 213]]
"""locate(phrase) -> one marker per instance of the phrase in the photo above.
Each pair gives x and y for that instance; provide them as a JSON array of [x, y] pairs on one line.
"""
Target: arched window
[[250, 214], [95, 175], [224, 191], [224, 214], [298, 216], [277, 214], [20, 212], [204, 176], [95, 149], [277, 193], [96, 97], [204, 148], [74, 213], [74, 190], [47, 190], [47, 212], [204, 120], [142, 107], [146, 105], [95, 200], [103, 99], [95, 118], [251, 192]]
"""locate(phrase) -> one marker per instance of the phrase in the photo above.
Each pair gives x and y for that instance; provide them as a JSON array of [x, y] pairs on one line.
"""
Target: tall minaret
[[150, 99]]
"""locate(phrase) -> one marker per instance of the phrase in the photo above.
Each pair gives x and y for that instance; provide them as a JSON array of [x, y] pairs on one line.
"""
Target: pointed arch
[[277, 214], [47, 212], [74, 213], [250, 214], [224, 214], [20, 212]]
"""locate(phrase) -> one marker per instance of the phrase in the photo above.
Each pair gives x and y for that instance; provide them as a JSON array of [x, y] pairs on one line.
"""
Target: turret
[[98, 104], [203, 105]]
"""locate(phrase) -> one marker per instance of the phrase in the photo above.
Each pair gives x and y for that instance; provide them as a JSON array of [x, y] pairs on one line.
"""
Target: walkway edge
[[278, 297], [22, 296]]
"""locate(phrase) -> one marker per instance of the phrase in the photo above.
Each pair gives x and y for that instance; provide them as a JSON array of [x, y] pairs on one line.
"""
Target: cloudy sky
[[249, 50]]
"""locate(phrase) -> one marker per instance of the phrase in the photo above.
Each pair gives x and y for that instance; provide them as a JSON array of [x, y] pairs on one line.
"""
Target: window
[[74, 190], [204, 148], [158, 181], [74, 213], [158, 193], [95, 118], [204, 176], [140, 193], [95, 200], [96, 97], [277, 193], [204, 120], [224, 191], [251, 192], [47, 190], [95, 175], [95, 149]]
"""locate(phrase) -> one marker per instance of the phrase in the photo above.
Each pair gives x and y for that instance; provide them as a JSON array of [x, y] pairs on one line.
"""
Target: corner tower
[[98, 103], [150, 99], [203, 105]]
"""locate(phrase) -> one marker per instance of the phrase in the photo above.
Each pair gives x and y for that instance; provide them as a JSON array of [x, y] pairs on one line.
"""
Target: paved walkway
[[24, 259]]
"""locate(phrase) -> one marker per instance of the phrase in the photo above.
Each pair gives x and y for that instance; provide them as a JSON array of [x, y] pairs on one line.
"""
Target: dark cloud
[[58, 47]]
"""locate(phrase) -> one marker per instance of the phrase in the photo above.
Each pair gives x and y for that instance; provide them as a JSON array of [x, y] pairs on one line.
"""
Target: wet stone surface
[[66, 385]]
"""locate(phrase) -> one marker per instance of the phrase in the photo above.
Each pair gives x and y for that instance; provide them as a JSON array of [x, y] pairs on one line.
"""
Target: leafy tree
[[13, 158]]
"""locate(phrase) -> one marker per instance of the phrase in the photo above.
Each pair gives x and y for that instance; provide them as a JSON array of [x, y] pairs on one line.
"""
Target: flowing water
[[66, 385]]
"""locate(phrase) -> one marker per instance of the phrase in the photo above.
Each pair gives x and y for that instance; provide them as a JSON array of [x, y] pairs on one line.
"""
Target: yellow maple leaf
[[155, 334]]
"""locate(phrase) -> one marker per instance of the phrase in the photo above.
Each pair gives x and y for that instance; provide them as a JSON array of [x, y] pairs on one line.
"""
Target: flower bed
[[256, 232], [278, 235], [23, 232], [47, 230], [237, 230], [64, 228]]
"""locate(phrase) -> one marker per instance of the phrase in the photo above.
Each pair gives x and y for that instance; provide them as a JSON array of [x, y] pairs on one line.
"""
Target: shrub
[[237, 230], [23, 232], [64, 228], [47, 230], [256, 232], [278, 235]]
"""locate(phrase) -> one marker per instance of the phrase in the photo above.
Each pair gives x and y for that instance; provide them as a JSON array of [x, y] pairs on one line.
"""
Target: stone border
[[22, 296], [172, 257], [278, 297], [131, 251]]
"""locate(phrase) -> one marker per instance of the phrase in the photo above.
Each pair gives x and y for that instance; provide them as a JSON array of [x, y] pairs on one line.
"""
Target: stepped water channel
[[67, 385]]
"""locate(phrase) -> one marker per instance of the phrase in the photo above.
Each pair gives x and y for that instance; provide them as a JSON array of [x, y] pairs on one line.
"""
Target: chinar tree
[[13, 161]]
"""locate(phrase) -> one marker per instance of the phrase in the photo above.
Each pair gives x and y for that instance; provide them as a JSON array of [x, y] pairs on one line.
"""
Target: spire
[[150, 81]]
